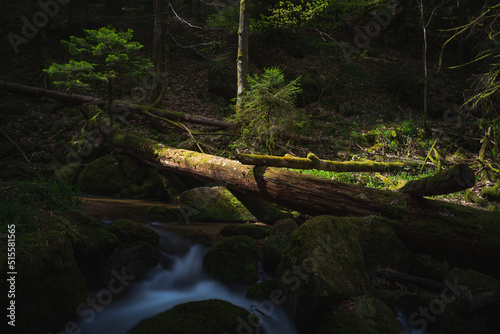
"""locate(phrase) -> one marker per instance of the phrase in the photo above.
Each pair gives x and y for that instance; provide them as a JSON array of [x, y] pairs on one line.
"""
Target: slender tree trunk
[[424, 58], [242, 58], [158, 54], [109, 108]]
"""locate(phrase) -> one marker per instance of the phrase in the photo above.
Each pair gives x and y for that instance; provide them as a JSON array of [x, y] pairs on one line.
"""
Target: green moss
[[328, 250], [362, 314], [103, 177], [213, 204], [69, 173], [233, 260], [129, 231], [261, 290], [381, 245], [208, 317], [277, 242]]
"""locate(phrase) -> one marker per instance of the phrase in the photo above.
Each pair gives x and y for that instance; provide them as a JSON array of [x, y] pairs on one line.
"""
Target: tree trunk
[[242, 58], [313, 162], [465, 236], [118, 107]]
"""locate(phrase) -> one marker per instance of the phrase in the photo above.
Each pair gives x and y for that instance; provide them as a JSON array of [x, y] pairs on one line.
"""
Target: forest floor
[[367, 107]]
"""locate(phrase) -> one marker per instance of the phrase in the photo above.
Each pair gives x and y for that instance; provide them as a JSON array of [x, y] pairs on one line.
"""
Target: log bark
[[468, 302], [466, 236], [119, 107], [313, 162], [459, 177]]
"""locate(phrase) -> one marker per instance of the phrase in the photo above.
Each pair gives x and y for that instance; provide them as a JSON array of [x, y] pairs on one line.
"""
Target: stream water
[[178, 278]]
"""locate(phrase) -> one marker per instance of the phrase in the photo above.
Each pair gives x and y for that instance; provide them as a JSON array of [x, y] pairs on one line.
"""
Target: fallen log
[[313, 162], [466, 300], [466, 236], [118, 106], [459, 177]]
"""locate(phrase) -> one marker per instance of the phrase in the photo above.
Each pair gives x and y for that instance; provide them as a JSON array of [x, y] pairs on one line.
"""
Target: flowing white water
[[179, 278]]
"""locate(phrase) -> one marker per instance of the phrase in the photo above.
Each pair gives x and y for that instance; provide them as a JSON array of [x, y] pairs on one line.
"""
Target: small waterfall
[[177, 279]]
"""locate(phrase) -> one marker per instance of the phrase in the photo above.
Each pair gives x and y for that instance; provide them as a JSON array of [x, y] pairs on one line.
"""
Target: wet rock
[[213, 204], [130, 231], [134, 260], [362, 314], [381, 245], [277, 242], [103, 176], [68, 173], [322, 264], [211, 316], [233, 260]]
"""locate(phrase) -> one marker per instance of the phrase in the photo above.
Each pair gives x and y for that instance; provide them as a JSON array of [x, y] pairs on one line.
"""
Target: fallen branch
[[313, 162], [118, 107], [17, 146]]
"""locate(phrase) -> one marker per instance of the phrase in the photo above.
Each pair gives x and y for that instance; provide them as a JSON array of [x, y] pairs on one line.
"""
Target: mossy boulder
[[381, 245], [256, 231], [473, 280], [262, 290], [128, 231], [90, 240], [103, 176], [233, 260], [69, 173], [277, 242], [211, 316], [133, 259], [212, 204], [362, 314], [49, 284], [322, 264], [163, 213]]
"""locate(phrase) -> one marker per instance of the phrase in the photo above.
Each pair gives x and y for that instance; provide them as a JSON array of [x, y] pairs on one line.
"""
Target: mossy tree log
[[459, 177], [465, 236], [117, 107], [313, 162]]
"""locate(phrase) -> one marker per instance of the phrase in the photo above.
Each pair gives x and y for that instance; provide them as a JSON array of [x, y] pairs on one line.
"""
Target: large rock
[[362, 314], [277, 242], [134, 260], [211, 316], [49, 285], [322, 265], [233, 260], [130, 231], [103, 176], [381, 245], [212, 204], [68, 173]]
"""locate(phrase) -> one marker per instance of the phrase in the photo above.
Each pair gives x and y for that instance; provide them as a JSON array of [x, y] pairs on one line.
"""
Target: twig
[[13, 143], [182, 20], [191, 135]]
